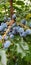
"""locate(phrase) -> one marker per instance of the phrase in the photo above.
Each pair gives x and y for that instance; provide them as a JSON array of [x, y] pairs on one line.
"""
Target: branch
[[11, 9]]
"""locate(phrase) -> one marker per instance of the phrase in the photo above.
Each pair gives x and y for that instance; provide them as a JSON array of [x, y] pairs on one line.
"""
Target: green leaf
[[20, 2]]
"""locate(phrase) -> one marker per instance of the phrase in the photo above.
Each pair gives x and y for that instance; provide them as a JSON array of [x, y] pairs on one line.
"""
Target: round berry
[[23, 21], [28, 31], [8, 19], [4, 25], [16, 28], [1, 28], [23, 34], [11, 36], [7, 44], [20, 30], [14, 32], [13, 16]]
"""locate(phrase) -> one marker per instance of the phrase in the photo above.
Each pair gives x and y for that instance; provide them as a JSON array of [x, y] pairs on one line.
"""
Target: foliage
[[22, 8], [20, 52]]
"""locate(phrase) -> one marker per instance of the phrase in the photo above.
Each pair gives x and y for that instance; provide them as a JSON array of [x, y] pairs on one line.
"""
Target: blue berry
[[4, 25], [20, 30], [9, 33], [28, 31], [13, 16], [11, 36], [16, 28], [1, 28], [8, 19], [23, 34], [14, 32], [23, 21], [7, 44]]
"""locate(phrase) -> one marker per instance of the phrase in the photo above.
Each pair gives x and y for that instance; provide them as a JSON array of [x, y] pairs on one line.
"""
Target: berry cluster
[[16, 29]]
